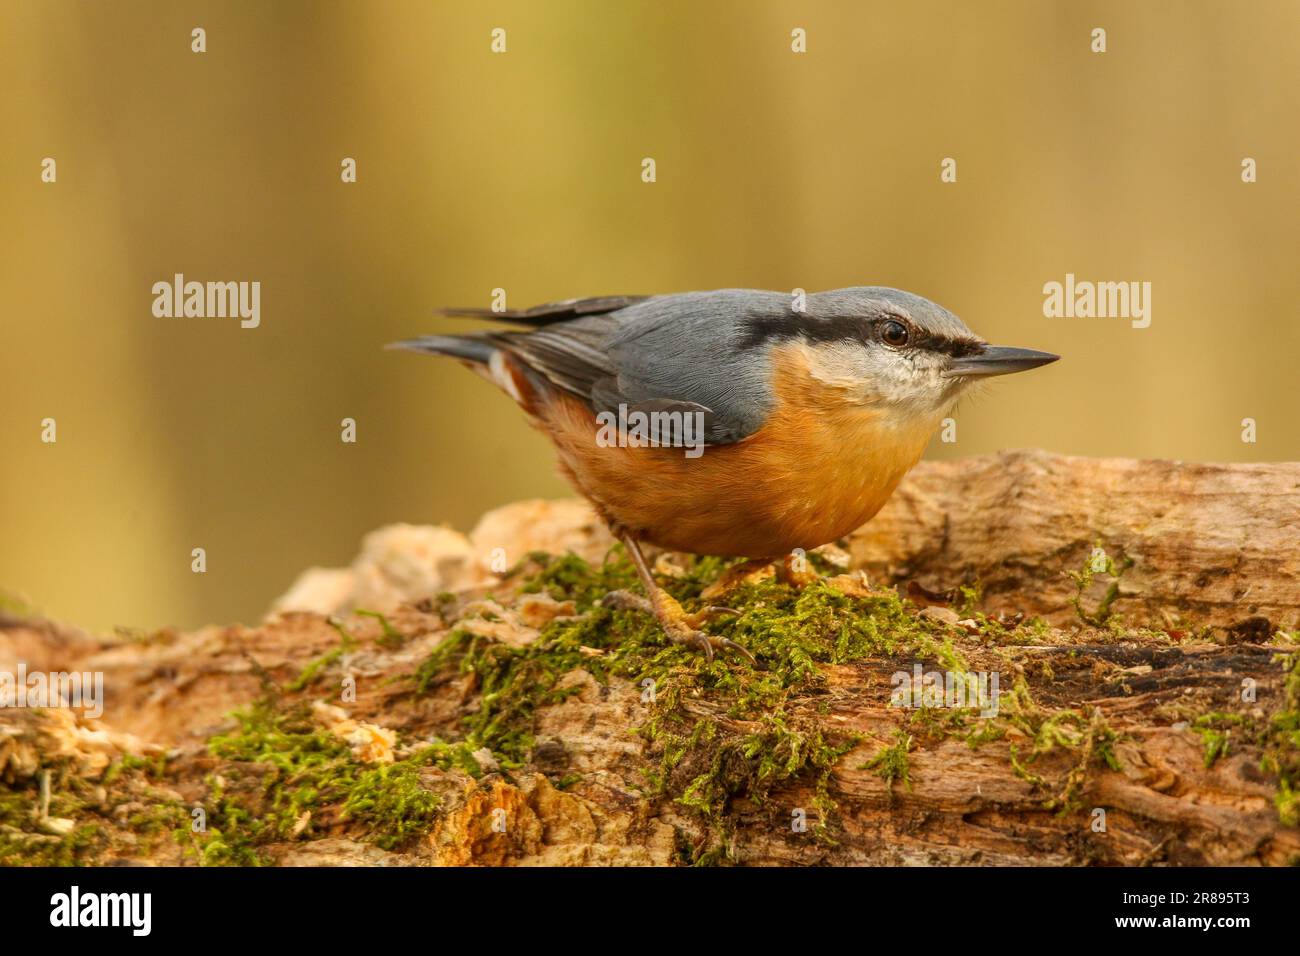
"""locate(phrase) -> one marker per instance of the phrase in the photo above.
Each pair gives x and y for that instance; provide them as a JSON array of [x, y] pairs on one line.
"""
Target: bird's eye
[[894, 333]]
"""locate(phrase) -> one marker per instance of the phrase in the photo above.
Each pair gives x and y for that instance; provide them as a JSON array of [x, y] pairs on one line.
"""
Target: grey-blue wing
[[681, 352]]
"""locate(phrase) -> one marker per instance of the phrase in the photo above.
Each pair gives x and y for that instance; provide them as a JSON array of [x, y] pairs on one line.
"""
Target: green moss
[[391, 636], [970, 597], [1086, 738], [21, 842], [1101, 615], [723, 737], [747, 730], [311, 673], [91, 805], [1215, 730], [1276, 738], [778, 749], [305, 781], [154, 767], [892, 763], [81, 847], [1281, 742], [569, 578], [793, 632], [392, 801]]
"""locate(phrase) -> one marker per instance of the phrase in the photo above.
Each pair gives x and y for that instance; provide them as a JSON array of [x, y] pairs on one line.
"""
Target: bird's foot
[[679, 626], [627, 601], [683, 628]]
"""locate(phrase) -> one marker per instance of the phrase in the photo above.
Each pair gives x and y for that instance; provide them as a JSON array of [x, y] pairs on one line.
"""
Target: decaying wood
[[1209, 544], [1212, 544]]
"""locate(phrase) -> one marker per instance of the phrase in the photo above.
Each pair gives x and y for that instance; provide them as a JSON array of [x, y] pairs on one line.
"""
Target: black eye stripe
[[957, 348], [760, 330]]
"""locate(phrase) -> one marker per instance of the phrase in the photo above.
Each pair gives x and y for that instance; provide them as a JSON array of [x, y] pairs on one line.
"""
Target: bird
[[736, 422]]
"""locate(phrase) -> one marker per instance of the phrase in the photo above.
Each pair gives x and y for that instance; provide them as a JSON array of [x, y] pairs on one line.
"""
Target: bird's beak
[[998, 360]]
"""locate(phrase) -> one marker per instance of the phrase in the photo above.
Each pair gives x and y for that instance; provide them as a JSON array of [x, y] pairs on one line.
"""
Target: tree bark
[[1211, 562], [1212, 544]]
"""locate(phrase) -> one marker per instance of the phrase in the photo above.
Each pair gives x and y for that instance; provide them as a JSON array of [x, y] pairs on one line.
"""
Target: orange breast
[[820, 467]]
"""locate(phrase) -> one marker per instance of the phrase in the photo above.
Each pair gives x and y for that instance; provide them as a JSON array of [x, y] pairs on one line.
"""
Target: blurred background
[[522, 171]]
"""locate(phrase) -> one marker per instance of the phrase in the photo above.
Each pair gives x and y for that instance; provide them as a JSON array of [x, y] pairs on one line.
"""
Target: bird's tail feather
[[470, 348]]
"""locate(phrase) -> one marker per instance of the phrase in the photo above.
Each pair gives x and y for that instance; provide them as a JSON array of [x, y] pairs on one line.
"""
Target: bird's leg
[[680, 627]]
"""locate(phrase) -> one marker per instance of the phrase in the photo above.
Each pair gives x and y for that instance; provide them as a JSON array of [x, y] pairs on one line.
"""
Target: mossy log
[[1214, 544], [1140, 618]]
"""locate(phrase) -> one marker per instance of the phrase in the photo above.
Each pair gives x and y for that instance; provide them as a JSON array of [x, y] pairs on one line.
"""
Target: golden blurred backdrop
[[522, 170]]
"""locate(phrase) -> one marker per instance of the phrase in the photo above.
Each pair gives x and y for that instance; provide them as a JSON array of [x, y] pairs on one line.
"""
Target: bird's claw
[[705, 614], [680, 627], [706, 643]]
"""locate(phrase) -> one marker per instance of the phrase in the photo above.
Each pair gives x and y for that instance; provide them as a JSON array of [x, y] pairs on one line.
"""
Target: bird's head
[[892, 349]]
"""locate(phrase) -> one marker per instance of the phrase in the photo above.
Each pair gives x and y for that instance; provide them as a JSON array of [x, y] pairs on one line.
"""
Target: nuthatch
[[804, 420]]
